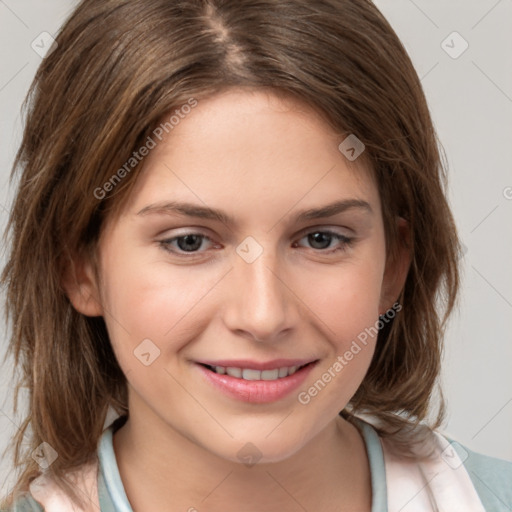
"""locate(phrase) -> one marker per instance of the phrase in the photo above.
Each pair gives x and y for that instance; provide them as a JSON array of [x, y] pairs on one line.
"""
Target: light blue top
[[491, 477]]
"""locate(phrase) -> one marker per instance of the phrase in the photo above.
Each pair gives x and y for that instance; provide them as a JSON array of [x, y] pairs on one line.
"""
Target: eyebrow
[[205, 212]]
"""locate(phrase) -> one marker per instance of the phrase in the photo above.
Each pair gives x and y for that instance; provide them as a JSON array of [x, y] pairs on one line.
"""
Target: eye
[[187, 243], [319, 240], [322, 239]]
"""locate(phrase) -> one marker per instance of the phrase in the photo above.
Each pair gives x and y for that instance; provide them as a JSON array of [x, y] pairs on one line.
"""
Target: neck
[[160, 468]]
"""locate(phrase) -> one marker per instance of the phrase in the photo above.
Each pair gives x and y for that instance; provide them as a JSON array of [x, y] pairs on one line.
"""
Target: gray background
[[471, 102]]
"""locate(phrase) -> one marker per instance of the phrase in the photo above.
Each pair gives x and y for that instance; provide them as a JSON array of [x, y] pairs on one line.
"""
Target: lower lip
[[256, 391]]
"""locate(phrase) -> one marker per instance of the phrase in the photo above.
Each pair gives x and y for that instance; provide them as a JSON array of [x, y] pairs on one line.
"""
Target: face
[[228, 256]]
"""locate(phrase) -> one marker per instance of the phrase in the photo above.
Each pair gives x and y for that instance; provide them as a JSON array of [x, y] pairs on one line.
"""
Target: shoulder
[[24, 503], [484, 477], [45, 493], [491, 477]]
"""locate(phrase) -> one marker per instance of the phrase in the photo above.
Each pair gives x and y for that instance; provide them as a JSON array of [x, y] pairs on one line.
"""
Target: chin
[[261, 450]]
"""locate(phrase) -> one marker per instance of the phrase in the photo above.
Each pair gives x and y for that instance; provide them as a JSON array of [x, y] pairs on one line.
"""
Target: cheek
[[345, 302], [156, 313], [349, 321], [345, 299], [153, 300]]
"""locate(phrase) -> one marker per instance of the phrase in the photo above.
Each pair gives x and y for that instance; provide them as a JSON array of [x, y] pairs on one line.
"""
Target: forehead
[[244, 149]]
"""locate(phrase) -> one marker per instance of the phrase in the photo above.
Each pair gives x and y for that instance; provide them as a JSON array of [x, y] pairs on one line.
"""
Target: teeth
[[283, 372], [270, 374], [292, 370], [234, 372], [250, 374]]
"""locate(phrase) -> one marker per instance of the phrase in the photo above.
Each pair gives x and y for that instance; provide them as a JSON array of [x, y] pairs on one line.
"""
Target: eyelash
[[346, 242]]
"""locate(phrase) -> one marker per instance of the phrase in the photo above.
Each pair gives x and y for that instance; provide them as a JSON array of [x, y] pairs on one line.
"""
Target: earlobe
[[80, 286], [397, 269]]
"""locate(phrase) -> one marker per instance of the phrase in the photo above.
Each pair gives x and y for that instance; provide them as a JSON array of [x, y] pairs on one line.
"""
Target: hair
[[117, 68]]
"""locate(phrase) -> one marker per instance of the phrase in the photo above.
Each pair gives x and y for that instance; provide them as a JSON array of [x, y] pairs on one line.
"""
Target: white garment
[[52, 497], [440, 484]]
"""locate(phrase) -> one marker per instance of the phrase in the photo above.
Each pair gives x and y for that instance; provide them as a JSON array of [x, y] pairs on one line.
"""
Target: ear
[[397, 268], [81, 287]]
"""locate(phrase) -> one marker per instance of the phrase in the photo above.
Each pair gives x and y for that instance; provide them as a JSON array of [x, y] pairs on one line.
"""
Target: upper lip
[[257, 365]]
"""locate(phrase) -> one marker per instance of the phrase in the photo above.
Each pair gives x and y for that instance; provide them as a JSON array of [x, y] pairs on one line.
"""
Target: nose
[[261, 304]]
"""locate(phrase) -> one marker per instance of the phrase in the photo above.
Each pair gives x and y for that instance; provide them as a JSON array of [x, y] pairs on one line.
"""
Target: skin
[[262, 160]]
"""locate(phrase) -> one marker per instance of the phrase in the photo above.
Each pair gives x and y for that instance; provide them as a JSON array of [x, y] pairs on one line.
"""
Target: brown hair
[[118, 67]]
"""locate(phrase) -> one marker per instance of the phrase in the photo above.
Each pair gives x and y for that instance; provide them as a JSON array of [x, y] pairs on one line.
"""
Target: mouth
[[254, 374], [275, 381]]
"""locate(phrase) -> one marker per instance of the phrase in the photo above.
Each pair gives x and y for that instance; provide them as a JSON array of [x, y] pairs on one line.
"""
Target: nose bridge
[[260, 302]]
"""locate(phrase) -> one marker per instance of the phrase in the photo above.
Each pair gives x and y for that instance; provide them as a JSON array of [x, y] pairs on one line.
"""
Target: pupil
[[186, 243], [316, 238]]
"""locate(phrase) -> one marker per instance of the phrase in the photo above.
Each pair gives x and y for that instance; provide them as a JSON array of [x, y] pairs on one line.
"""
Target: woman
[[235, 220]]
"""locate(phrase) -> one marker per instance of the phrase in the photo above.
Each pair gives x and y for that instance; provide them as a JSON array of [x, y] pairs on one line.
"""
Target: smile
[[247, 384], [251, 374]]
